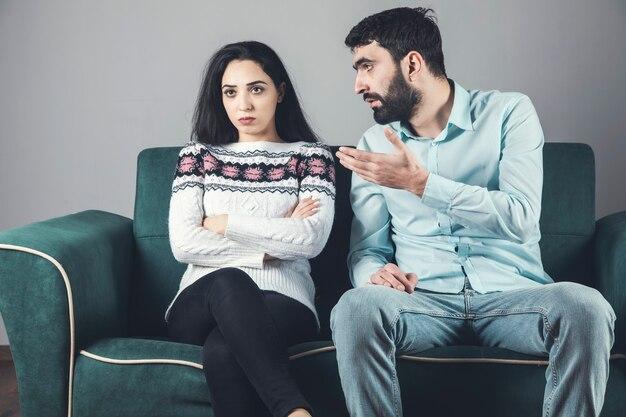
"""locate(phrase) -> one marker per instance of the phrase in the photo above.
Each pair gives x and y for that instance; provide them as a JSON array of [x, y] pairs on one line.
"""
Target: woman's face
[[250, 99]]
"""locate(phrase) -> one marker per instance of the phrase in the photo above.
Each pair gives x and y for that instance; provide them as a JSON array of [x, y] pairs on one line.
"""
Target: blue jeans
[[570, 323]]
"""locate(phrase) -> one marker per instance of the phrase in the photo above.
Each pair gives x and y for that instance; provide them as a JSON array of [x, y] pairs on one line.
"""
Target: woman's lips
[[246, 120]]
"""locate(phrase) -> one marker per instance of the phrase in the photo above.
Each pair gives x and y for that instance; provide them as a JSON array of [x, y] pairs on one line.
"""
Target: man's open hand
[[397, 170]]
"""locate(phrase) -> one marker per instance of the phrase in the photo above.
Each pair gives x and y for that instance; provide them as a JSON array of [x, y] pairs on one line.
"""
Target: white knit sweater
[[255, 183]]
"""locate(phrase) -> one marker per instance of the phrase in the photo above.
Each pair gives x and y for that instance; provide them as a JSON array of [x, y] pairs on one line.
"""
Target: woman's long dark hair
[[210, 121]]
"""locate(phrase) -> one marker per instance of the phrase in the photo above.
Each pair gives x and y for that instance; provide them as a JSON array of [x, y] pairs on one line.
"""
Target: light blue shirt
[[479, 214]]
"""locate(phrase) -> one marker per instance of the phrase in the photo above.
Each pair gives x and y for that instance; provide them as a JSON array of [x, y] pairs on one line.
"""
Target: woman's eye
[[229, 93], [257, 90]]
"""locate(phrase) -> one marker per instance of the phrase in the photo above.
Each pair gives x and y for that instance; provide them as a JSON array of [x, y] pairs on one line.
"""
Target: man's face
[[380, 81]]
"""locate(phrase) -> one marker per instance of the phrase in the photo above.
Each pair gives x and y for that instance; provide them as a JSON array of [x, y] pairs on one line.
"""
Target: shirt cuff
[[363, 270], [439, 192]]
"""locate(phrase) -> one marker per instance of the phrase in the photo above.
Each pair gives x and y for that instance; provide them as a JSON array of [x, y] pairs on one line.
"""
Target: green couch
[[83, 297]]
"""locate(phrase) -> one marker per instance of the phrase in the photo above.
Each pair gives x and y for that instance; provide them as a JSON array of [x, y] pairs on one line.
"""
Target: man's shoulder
[[495, 100], [374, 138], [376, 130]]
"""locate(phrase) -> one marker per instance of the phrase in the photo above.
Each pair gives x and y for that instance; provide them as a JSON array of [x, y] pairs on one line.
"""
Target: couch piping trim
[[312, 352], [475, 360], [70, 306], [332, 348], [139, 361], [180, 362], [490, 360]]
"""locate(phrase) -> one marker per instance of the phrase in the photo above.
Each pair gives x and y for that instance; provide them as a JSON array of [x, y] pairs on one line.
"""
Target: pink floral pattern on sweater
[[309, 168], [230, 171], [186, 164], [253, 173], [276, 173], [210, 162], [316, 166]]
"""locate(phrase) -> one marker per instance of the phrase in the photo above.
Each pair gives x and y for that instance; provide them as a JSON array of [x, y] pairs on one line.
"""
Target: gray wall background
[[85, 85]]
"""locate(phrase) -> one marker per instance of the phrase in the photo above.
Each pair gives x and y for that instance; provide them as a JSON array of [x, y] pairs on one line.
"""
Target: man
[[446, 193]]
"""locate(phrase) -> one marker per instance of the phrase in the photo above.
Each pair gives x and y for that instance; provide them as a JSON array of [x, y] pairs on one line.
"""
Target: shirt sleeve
[[291, 238], [371, 246], [190, 242], [512, 212]]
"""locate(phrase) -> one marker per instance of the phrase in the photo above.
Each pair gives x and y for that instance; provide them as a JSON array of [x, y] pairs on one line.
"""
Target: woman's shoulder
[[192, 147], [305, 149], [317, 166], [309, 149]]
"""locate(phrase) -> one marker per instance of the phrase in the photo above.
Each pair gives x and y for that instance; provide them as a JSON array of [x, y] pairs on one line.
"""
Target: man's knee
[[583, 308], [361, 308]]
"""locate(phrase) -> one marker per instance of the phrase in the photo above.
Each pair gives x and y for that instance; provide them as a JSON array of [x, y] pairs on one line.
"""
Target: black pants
[[245, 333]]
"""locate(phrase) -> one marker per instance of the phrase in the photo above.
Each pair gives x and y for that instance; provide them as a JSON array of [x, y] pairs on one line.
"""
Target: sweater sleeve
[[191, 243], [290, 238]]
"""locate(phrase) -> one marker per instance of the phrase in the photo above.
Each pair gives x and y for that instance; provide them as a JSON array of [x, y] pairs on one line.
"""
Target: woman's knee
[[216, 355], [231, 279], [184, 331]]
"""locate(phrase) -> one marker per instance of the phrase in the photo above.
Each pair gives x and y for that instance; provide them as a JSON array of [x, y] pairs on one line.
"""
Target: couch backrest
[[567, 225]]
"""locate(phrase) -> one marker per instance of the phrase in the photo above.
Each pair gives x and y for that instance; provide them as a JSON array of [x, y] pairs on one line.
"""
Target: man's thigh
[[529, 320], [415, 322]]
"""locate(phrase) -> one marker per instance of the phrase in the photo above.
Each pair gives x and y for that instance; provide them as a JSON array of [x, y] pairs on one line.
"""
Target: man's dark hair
[[401, 31]]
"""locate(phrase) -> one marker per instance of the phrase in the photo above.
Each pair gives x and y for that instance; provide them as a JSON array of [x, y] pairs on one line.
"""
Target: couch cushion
[[567, 221], [130, 376], [135, 377], [141, 376], [158, 377], [451, 381]]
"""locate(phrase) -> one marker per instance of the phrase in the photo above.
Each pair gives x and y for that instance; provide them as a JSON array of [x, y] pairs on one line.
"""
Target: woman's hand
[[304, 208], [216, 224]]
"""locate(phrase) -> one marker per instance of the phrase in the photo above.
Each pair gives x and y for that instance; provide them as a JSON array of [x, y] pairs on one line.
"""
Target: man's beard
[[400, 102]]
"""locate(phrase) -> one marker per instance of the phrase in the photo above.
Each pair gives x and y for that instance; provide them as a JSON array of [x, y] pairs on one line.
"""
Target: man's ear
[[416, 63], [281, 91]]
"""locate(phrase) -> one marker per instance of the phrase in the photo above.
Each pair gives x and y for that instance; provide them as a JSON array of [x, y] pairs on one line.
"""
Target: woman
[[252, 199]]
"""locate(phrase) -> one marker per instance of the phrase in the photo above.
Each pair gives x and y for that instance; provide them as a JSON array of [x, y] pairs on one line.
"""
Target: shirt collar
[[460, 115]]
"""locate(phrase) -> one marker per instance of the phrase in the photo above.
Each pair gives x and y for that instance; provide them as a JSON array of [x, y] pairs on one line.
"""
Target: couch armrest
[[64, 283], [610, 269]]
